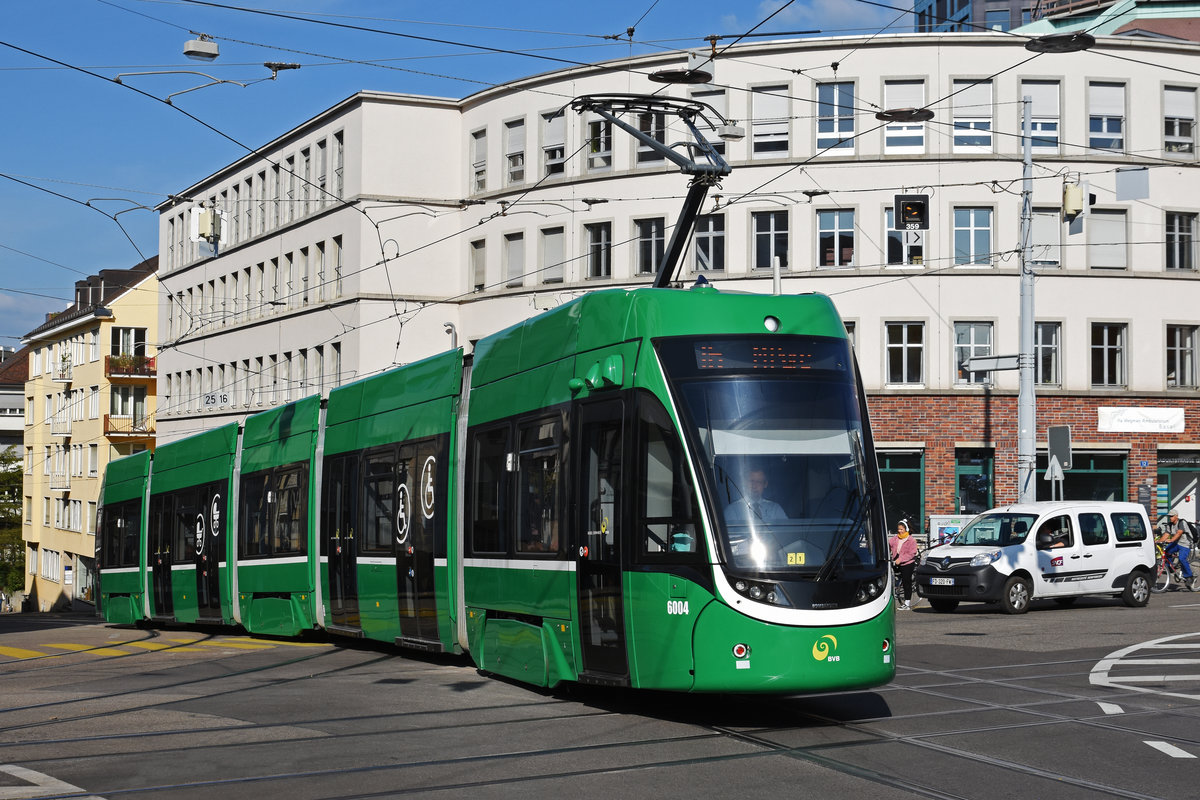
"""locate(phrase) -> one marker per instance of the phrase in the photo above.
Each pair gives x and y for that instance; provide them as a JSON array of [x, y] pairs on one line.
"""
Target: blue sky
[[97, 149]]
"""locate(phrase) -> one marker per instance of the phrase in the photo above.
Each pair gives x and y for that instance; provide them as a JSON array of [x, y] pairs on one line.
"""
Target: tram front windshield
[[777, 425]]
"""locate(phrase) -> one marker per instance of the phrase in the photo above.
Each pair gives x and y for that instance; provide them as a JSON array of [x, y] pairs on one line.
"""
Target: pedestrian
[[903, 548]]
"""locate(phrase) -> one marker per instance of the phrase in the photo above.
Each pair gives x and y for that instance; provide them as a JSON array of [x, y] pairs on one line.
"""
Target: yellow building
[[90, 398]]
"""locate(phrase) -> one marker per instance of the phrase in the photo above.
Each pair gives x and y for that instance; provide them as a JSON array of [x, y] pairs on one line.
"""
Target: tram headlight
[[740, 586], [761, 592], [755, 592]]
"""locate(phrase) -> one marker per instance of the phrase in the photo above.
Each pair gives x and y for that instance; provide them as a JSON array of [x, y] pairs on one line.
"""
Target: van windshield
[[995, 530]]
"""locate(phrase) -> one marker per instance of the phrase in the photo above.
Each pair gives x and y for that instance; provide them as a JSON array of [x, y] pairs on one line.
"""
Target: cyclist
[[1173, 544], [903, 548]]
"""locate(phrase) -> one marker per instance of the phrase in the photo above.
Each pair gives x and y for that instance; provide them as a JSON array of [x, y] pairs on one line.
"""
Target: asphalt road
[[1097, 700]]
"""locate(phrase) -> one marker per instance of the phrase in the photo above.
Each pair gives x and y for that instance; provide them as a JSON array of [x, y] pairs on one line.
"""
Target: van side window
[[1092, 529], [1054, 533], [1129, 527]]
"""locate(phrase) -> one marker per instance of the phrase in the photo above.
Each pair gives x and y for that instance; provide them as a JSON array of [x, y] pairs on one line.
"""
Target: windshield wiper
[[847, 536]]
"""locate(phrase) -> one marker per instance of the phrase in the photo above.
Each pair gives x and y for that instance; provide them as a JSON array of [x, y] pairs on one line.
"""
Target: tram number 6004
[[677, 607]]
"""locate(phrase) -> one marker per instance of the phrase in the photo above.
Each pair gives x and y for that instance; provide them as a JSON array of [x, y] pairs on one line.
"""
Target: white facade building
[[349, 242]]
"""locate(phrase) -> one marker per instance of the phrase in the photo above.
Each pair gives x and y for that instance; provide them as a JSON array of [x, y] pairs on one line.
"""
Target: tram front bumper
[[735, 653]]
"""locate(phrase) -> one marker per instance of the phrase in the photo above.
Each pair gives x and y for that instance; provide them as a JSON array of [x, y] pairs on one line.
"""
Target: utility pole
[[1026, 402]]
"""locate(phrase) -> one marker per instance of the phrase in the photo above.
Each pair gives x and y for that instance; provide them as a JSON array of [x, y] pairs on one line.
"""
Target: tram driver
[[753, 506]]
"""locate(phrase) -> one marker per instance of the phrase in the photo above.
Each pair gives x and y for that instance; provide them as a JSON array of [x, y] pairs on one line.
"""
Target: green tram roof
[[125, 478], [201, 458], [602, 318]]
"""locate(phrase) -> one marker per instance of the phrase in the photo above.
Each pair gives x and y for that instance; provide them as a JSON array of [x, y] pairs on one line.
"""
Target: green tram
[[656, 488]]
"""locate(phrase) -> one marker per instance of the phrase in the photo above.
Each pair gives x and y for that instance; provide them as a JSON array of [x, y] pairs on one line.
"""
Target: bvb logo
[[824, 647]]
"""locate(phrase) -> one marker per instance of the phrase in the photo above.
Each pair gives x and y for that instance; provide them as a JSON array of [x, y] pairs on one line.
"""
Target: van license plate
[[941, 581]]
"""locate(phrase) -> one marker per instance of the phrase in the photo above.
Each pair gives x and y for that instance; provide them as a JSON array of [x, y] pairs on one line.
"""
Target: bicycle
[[1168, 569]]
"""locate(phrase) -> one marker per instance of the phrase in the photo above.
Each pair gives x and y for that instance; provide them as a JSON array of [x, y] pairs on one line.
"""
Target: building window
[[770, 239], [903, 247], [707, 124], [553, 255], [1108, 353], [973, 480], [514, 151], [1181, 241], [654, 125], [973, 236], [904, 137], [971, 339], [710, 243], [599, 249], [1106, 116], [1046, 238], [1179, 120], [972, 116], [479, 161], [835, 117], [554, 144], [478, 265], [769, 126], [599, 145], [905, 352], [514, 259], [1047, 337], [651, 239], [835, 237], [1106, 240], [339, 165], [1181, 356], [93, 459]]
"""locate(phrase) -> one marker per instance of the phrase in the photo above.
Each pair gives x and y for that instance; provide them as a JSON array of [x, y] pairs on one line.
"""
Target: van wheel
[[1016, 597], [942, 605], [1137, 590]]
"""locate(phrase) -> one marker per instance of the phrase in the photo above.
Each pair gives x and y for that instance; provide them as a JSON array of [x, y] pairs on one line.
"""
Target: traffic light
[[912, 212]]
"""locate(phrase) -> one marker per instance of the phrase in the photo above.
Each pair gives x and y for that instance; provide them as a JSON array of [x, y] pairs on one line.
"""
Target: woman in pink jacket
[[904, 554]]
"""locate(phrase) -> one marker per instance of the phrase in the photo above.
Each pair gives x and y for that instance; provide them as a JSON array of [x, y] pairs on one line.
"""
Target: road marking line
[[242, 645], [1110, 708], [41, 782], [18, 652], [85, 648], [1152, 678], [1170, 749], [147, 645]]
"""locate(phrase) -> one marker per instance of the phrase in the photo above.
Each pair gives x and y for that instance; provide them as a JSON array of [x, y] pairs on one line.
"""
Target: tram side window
[[290, 513], [668, 509], [540, 505], [274, 514], [489, 488], [379, 503], [120, 526], [254, 522]]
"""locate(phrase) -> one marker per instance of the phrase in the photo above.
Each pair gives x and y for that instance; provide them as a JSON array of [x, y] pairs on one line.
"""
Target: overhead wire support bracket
[[702, 161]]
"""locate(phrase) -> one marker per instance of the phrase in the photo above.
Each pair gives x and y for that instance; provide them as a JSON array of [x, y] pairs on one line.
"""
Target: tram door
[[417, 524], [598, 547], [206, 520], [160, 540], [338, 539]]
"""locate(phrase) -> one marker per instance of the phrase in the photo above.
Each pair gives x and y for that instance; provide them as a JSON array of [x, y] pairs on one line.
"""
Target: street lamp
[[202, 48]]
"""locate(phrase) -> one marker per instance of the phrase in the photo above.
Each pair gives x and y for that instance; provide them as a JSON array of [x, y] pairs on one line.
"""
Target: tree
[[12, 546]]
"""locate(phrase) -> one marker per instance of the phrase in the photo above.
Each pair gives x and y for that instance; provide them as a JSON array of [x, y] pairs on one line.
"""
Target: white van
[[1062, 550]]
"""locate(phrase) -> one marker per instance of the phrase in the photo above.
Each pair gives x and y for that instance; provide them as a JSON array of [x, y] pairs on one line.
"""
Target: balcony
[[60, 424], [129, 366], [60, 481], [128, 427], [62, 373]]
